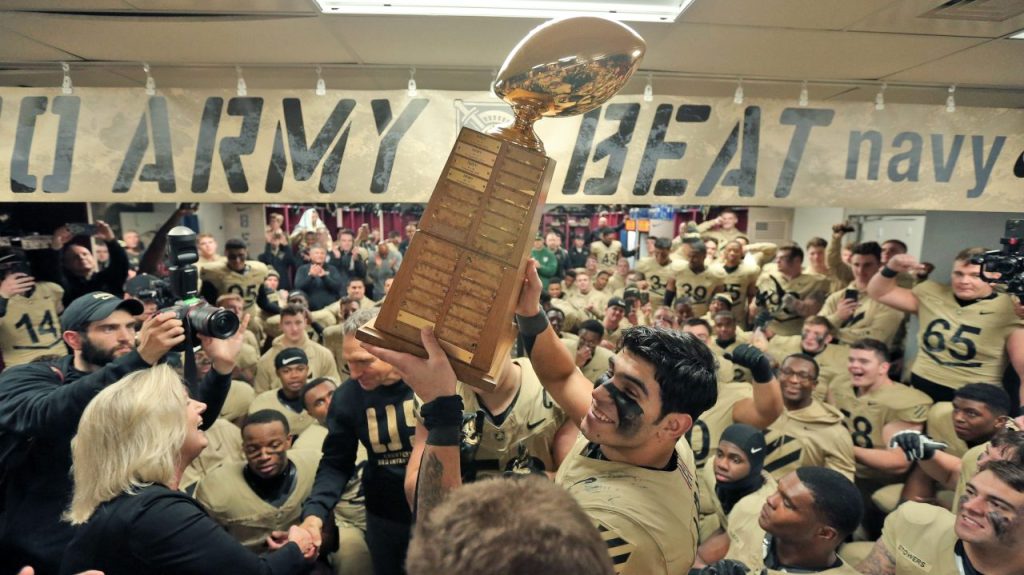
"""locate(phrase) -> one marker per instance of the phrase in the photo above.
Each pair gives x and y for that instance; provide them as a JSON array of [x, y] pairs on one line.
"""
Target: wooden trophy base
[[463, 271]]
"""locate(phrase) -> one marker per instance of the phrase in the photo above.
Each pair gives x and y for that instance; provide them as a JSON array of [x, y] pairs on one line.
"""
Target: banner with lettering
[[120, 145]]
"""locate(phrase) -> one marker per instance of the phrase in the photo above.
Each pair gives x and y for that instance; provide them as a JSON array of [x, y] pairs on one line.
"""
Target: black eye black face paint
[[1001, 525], [629, 410]]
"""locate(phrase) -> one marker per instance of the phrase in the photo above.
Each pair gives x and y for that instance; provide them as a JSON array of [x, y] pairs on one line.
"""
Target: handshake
[[916, 446]]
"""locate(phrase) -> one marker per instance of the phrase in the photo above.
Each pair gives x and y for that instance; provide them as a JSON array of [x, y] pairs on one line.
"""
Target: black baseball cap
[[290, 356], [616, 301], [95, 306]]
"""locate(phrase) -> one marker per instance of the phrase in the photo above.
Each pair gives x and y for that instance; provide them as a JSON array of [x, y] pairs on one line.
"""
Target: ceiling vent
[[977, 10]]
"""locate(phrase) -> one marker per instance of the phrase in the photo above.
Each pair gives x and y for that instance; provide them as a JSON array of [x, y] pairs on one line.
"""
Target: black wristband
[[888, 272], [534, 325], [443, 419]]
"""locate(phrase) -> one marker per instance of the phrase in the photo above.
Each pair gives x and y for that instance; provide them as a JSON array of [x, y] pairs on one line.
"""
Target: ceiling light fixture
[[950, 100], [321, 86], [803, 94], [1018, 35], [880, 98], [737, 96], [150, 82], [634, 11], [65, 86], [411, 88], [241, 89], [649, 90]]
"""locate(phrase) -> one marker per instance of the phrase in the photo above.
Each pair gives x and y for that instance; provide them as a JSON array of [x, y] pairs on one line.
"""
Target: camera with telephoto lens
[[1008, 262], [198, 316]]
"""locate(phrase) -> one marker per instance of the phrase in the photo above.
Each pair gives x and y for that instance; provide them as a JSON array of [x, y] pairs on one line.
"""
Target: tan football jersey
[[722, 235], [737, 282], [606, 256], [962, 344], [31, 326], [321, 364], [812, 436], [707, 429], [697, 286], [868, 414], [647, 517], [920, 538], [598, 364], [224, 443], [297, 422], [774, 287], [746, 538], [832, 362], [871, 318], [246, 284], [528, 430], [573, 315], [237, 403], [333, 340], [939, 426], [657, 276], [616, 284], [230, 501], [591, 304]]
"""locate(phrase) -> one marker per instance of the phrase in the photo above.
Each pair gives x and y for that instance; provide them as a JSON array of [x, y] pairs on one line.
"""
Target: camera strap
[[191, 371]]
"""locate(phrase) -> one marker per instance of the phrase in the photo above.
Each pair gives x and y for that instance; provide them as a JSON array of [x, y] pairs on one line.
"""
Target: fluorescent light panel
[[632, 11], [1019, 35]]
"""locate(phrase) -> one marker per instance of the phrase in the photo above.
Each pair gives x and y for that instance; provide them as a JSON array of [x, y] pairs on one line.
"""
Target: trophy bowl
[[563, 68]]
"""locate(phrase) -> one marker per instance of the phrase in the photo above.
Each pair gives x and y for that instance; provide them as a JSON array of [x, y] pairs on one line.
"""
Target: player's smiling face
[[865, 367], [626, 405], [991, 513]]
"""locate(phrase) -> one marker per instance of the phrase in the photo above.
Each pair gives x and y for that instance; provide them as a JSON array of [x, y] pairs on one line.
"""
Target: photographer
[[76, 270], [41, 403], [29, 312]]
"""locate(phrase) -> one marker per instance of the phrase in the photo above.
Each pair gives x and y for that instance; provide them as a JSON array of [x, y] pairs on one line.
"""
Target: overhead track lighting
[[880, 98], [649, 90], [241, 89], [411, 88], [321, 86], [803, 95], [150, 82], [631, 11], [950, 100], [65, 86], [737, 96]]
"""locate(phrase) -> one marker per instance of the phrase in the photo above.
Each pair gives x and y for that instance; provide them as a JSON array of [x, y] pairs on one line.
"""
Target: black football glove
[[723, 567], [916, 446], [748, 356]]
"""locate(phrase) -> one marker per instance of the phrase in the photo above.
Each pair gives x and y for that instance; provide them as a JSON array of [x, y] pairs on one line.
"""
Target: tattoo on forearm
[[430, 491], [879, 562]]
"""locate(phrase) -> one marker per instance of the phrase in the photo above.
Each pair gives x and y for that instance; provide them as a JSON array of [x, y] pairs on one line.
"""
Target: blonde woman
[[134, 441]]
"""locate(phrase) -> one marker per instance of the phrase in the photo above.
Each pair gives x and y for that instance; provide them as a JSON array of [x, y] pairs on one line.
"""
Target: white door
[[908, 229]]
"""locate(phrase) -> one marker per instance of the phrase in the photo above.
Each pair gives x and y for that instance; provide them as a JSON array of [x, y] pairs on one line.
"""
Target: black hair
[[235, 244], [897, 242], [313, 384], [994, 396], [806, 357], [683, 366], [869, 344], [837, 501], [694, 321], [357, 278], [591, 325], [267, 416], [570, 274], [293, 309], [696, 245], [555, 309], [794, 251], [1013, 440], [662, 243], [867, 249], [1008, 472]]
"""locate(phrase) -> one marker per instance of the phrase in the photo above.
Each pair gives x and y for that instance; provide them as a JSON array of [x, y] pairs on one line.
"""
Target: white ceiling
[[843, 47]]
